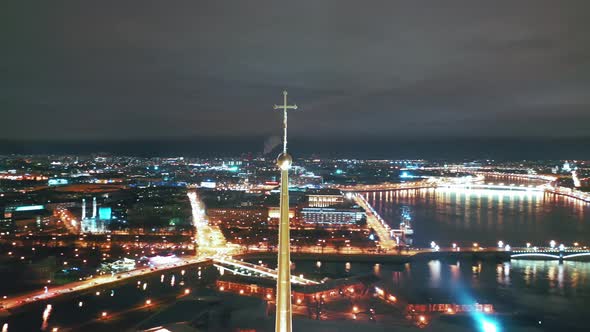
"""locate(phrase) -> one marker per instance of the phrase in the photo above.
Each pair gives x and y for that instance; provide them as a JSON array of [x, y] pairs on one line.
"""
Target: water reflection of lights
[[46, 314], [456, 272], [560, 273], [476, 269], [434, 267], [503, 273], [377, 269]]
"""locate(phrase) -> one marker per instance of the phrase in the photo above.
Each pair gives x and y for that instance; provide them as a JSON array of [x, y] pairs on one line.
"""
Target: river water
[[552, 293], [485, 216], [557, 294]]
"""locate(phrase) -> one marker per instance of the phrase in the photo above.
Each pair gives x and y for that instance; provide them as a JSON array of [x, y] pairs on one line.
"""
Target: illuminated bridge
[[539, 253], [438, 184], [387, 186], [450, 183], [492, 186], [253, 270], [550, 253]]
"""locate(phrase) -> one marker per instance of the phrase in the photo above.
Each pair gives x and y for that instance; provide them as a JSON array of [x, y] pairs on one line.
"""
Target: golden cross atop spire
[[285, 107]]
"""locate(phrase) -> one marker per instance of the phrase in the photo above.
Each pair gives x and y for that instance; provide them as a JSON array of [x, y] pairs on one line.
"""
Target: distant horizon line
[[298, 137], [449, 148]]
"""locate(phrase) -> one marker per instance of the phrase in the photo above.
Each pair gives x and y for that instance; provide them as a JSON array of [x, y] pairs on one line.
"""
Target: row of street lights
[[501, 245]]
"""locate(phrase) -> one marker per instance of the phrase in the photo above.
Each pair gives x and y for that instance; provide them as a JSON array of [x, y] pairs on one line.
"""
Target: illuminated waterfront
[[485, 216]]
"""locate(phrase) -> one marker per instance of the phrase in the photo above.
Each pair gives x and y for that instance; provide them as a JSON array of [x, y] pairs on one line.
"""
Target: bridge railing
[[262, 270]]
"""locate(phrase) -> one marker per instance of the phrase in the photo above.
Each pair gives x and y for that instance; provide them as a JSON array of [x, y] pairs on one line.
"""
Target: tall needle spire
[[283, 311]]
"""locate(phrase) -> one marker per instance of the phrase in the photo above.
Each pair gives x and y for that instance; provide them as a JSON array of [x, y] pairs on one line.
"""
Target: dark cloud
[[150, 69]]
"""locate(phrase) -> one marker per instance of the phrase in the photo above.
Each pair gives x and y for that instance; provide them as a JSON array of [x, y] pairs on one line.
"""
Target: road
[[13, 302], [376, 223], [210, 239]]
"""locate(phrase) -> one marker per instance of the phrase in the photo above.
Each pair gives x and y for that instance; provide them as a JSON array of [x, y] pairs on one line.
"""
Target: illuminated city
[[295, 167], [114, 224]]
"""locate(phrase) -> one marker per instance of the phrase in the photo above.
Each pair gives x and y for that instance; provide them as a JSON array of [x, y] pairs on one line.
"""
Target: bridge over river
[[475, 184]]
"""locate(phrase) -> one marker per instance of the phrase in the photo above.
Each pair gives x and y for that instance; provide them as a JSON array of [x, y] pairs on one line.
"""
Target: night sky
[[382, 71]]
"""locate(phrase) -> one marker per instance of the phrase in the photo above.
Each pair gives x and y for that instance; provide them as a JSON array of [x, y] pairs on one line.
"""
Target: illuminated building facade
[[325, 198], [331, 216]]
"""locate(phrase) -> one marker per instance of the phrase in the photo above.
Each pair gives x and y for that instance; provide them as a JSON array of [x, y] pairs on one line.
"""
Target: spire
[[283, 301], [93, 207]]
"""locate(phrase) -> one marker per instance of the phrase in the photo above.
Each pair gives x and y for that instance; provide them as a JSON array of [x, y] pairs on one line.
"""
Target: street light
[[552, 244]]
